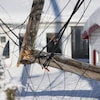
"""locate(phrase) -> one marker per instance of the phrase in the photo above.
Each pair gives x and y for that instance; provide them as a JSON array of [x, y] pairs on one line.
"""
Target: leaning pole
[[29, 55]]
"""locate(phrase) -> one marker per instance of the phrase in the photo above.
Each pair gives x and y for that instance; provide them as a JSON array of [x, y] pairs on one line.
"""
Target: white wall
[[94, 44], [66, 43], [2, 45], [54, 28], [10, 64]]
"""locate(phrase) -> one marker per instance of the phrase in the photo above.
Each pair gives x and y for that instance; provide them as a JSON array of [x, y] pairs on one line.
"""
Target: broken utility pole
[[29, 55], [32, 28]]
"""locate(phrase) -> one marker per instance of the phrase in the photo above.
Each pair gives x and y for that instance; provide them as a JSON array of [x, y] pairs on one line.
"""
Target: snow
[[92, 23], [36, 83], [14, 84], [57, 85], [3, 95]]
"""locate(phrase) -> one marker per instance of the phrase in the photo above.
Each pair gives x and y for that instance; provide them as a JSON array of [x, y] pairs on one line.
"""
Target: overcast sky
[[18, 10]]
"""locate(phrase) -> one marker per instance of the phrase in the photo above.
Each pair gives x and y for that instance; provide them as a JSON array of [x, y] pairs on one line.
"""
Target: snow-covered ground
[[35, 83], [40, 84], [57, 85]]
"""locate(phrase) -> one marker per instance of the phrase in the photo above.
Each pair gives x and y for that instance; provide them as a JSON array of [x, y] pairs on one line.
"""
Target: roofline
[[87, 33]]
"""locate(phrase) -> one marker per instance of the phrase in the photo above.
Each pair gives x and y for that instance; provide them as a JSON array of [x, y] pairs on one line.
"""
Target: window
[[80, 47], [21, 37], [6, 50], [52, 45], [3, 39]]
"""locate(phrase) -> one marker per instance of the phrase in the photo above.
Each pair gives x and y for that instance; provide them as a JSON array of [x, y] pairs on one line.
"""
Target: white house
[[92, 33], [71, 45], [55, 14], [9, 51]]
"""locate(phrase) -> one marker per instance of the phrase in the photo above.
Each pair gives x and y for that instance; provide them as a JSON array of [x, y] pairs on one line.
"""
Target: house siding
[[94, 44]]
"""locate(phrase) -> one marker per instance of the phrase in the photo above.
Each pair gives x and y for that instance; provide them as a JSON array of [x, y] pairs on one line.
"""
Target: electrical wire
[[49, 85], [9, 28], [54, 19], [13, 29], [25, 21], [63, 28], [46, 26], [5, 11], [46, 11], [76, 24], [40, 82], [64, 85], [78, 4], [8, 35], [20, 24], [50, 24], [71, 33], [78, 21], [31, 83], [61, 32], [27, 17]]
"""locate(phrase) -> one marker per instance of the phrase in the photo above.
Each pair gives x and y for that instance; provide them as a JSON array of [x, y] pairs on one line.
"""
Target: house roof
[[92, 24], [16, 11], [56, 7]]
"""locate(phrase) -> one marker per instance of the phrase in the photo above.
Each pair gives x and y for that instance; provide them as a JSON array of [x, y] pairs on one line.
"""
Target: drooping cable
[[78, 4], [61, 32], [78, 20], [64, 27], [54, 18], [5, 11], [8, 35], [49, 25], [9, 28]]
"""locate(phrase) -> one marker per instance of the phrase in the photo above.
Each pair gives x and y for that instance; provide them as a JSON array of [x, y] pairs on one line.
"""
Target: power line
[[77, 6], [8, 35], [50, 85], [9, 28], [55, 18], [79, 19], [65, 25], [20, 24], [51, 23], [46, 11], [5, 11], [70, 34], [75, 26]]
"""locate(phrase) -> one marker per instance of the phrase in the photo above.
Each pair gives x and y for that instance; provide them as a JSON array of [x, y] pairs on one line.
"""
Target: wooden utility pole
[[28, 53], [69, 65], [27, 49]]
